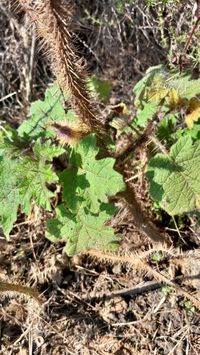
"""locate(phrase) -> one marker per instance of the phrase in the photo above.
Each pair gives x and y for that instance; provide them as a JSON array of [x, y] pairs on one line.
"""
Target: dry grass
[[93, 307], [24, 72], [121, 45]]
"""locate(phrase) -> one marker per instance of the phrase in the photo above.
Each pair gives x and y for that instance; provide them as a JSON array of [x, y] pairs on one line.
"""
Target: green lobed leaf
[[167, 88], [11, 145], [175, 179], [25, 178], [167, 129], [46, 151], [186, 87], [82, 231], [74, 186], [10, 183], [140, 88], [145, 114], [194, 132], [87, 184], [38, 174], [96, 179], [44, 112]]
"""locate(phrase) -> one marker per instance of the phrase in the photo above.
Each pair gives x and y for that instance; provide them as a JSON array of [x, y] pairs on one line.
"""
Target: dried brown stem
[[53, 22], [17, 288], [140, 219], [138, 261]]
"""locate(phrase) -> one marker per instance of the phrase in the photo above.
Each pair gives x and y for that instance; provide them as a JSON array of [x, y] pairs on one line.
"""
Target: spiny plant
[[174, 174], [140, 261], [54, 25], [86, 182], [70, 148], [29, 171], [9, 288]]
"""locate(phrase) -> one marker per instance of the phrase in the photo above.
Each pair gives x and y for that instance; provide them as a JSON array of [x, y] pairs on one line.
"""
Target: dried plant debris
[[23, 69]]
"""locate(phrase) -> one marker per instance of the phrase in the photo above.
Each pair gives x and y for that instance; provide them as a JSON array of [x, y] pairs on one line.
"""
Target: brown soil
[[95, 307]]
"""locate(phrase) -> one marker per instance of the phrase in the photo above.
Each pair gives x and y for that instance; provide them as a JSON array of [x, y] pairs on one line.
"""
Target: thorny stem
[[129, 198], [139, 262], [191, 34], [140, 219], [11, 287], [51, 20]]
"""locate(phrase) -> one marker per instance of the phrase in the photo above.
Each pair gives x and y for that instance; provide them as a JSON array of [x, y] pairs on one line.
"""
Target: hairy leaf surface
[[10, 183], [145, 113], [82, 231], [38, 175], [186, 87], [87, 184], [175, 179], [100, 179], [24, 179], [43, 113]]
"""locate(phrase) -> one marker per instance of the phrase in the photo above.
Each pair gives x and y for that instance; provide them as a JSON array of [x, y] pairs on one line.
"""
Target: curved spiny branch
[[53, 23]]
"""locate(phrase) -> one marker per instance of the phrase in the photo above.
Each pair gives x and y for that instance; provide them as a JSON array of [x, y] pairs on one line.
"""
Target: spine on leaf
[[53, 23]]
